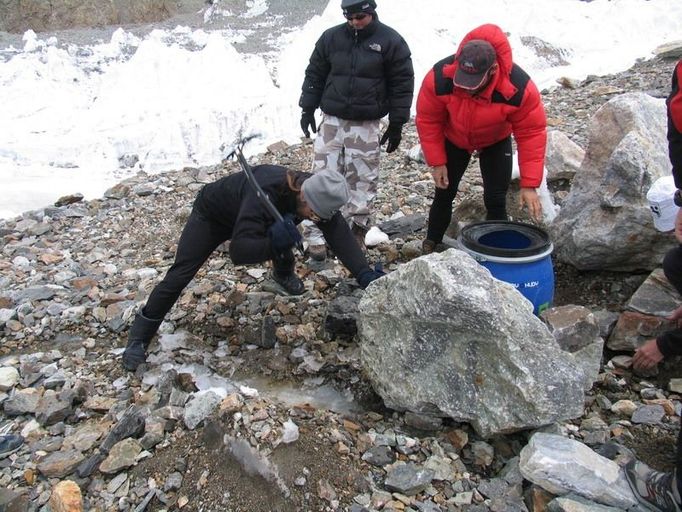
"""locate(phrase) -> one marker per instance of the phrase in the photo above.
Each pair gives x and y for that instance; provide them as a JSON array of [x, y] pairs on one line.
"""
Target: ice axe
[[260, 193]]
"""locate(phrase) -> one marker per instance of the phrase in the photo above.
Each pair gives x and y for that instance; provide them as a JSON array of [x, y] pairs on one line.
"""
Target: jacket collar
[[366, 32]]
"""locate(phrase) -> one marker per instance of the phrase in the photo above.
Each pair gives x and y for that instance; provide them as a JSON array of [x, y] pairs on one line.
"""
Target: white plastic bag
[[663, 209]]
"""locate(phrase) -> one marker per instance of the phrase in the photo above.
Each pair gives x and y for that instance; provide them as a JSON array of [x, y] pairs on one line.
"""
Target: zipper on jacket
[[353, 56]]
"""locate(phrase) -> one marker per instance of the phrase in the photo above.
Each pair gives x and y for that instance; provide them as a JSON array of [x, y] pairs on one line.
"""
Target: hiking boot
[[656, 491], [9, 444], [288, 284], [318, 252], [139, 336], [429, 246]]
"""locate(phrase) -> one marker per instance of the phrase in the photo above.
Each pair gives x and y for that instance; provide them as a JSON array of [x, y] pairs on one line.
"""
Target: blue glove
[[284, 234], [368, 275]]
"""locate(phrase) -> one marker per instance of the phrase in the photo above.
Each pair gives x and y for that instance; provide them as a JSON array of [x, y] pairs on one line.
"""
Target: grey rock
[[408, 479], [429, 322], [563, 156], [508, 503], [494, 488], [561, 465], [9, 377], [88, 466], [669, 50], [128, 160], [130, 424], [122, 456], [575, 503], [379, 456], [655, 296], [648, 414], [199, 408], [69, 199], [423, 421], [118, 191], [51, 409], [268, 330], [144, 189], [60, 464], [627, 152], [403, 225], [6, 315], [45, 292], [173, 482], [576, 331], [14, 500], [341, 317]]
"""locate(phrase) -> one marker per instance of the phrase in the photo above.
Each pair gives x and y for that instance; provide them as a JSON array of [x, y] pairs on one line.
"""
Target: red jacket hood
[[496, 37]]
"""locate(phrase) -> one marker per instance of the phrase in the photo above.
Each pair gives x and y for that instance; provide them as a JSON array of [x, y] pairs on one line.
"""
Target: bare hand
[[678, 226], [529, 197], [440, 176], [647, 356], [676, 316]]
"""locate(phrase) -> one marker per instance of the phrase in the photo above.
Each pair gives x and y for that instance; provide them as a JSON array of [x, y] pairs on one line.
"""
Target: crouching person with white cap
[[229, 209]]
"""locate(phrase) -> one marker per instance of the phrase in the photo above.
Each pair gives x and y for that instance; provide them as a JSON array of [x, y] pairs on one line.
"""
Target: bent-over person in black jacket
[[229, 209]]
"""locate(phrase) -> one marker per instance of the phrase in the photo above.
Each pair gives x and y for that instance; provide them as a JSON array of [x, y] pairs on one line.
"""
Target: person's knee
[[672, 267]]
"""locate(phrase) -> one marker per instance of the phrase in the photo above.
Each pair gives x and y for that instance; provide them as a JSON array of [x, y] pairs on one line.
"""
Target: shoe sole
[[274, 287]]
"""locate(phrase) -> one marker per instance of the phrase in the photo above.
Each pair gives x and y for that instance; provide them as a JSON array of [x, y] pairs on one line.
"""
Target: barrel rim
[[540, 246]]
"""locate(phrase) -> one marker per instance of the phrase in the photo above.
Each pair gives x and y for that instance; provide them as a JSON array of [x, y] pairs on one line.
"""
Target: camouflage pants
[[351, 148]]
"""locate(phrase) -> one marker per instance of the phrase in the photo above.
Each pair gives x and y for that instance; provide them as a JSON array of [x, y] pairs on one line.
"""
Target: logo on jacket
[[376, 47]]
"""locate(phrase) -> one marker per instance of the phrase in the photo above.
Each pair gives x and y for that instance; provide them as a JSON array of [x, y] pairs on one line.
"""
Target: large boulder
[[441, 336], [605, 222]]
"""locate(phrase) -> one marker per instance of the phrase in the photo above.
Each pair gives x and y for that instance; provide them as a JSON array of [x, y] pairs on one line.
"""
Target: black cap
[[353, 6], [474, 62]]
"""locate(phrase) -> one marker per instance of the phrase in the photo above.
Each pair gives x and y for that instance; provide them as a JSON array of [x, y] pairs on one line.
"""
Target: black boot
[[140, 334], [289, 283]]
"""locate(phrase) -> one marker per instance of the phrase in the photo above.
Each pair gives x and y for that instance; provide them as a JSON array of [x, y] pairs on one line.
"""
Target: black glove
[[393, 134], [368, 275], [284, 234], [308, 120]]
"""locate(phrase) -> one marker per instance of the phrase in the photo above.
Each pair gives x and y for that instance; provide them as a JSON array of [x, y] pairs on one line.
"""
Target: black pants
[[672, 267], [200, 237], [496, 169]]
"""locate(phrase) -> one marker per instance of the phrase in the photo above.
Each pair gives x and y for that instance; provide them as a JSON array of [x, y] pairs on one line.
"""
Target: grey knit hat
[[326, 192]]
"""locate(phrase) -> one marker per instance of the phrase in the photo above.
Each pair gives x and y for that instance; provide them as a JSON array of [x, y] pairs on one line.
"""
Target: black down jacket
[[360, 75]]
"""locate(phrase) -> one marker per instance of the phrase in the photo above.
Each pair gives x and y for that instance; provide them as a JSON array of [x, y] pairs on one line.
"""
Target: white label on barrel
[[532, 284]]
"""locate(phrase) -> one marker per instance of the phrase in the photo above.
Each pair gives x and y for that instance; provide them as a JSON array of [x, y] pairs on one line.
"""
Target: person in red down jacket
[[658, 490], [474, 101]]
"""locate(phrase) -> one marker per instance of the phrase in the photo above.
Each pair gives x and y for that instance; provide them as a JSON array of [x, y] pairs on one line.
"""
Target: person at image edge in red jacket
[[476, 100]]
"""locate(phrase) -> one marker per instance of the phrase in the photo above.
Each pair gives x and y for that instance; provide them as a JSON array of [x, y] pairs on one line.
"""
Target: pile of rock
[[98, 438]]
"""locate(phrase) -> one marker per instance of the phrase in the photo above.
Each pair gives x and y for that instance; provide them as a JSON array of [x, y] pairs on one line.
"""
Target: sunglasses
[[359, 17]]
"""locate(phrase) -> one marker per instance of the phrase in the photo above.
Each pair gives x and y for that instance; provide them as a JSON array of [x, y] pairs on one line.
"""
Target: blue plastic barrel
[[517, 253]]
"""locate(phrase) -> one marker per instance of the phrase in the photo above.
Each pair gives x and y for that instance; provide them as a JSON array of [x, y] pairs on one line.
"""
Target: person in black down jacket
[[229, 209], [359, 72]]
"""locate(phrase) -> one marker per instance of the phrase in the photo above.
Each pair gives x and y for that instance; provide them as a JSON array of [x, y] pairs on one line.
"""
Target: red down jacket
[[511, 104]]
